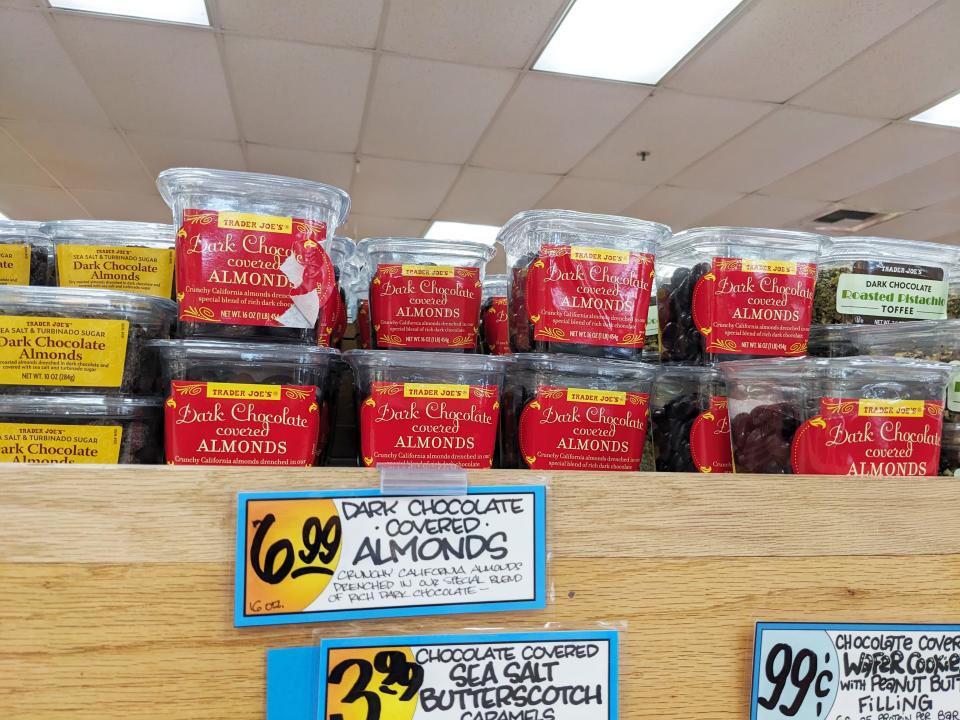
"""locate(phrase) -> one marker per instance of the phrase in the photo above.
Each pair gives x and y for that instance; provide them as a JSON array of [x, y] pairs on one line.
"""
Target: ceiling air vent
[[846, 220]]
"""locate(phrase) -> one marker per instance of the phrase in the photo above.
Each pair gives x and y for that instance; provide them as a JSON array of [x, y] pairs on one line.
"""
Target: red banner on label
[[364, 339], [237, 424], [580, 429], [870, 437], [496, 330], [710, 439], [755, 307], [429, 423], [245, 269], [588, 295], [426, 306]]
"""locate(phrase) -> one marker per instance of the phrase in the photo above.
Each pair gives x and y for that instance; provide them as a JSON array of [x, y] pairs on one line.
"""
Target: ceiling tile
[[25, 4], [431, 111], [500, 33], [780, 143], [83, 157], [154, 77], [925, 186], [679, 207], [882, 156], [291, 94], [352, 23], [17, 168], [160, 152], [948, 206], [920, 225], [25, 202], [363, 226], [493, 196], [138, 207], [949, 239], [776, 49], [549, 123], [590, 195], [401, 188], [764, 211], [904, 73], [330, 168], [38, 79], [676, 129]]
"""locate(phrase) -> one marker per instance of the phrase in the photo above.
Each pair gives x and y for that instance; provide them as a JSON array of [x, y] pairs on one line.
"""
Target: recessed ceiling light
[[445, 230], [632, 40], [944, 113], [191, 12]]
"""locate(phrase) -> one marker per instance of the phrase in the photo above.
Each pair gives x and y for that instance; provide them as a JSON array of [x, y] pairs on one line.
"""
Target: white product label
[[888, 296]]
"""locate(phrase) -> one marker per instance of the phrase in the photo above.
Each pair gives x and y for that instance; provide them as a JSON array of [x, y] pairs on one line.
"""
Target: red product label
[[580, 429], [589, 295], [237, 424], [426, 306], [429, 423], [364, 340], [333, 321], [710, 439], [755, 307], [246, 269], [496, 331], [870, 437]]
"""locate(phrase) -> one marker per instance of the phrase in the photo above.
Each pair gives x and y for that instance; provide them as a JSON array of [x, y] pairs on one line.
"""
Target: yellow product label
[[64, 444], [770, 267], [894, 408], [600, 397], [146, 271], [430, 390], [14, 264], [72, 352], [595, 254], [445, 271], [255, 223], [240, 391]]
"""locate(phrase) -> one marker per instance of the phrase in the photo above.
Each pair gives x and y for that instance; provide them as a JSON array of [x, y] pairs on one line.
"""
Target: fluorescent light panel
[[631, 40], [445, 230], [945, 113], [190, 12]]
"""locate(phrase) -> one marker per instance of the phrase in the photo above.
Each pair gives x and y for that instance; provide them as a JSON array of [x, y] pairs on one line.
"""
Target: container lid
[[811, 368], [174, 181], [41, 407], [581, 223], [108, 232], [341, 249], [30, 232], [775, 240], [880, 248], [141, 310], [494, 283], [412, 359], [244, 352], [698, 372], [563, 363], [893, 338], [457, 248]]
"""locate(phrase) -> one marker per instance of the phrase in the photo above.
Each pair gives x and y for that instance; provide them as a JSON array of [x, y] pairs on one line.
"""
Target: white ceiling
[[427, 109]]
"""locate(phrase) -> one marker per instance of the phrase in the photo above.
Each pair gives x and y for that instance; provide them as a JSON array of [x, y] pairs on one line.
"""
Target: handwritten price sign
[[856, 672]]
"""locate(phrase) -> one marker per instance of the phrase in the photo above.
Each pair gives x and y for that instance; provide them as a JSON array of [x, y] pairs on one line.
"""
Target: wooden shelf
[[116, 583]]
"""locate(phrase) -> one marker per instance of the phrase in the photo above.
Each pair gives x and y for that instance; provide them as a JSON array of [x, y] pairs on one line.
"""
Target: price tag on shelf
[[355, 554], [808, 671]]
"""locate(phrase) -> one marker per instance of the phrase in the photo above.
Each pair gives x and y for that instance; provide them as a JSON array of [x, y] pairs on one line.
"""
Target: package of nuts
[[333, 315], [494, 327], [78, 340], [251, 252], [950, 450], [26, 254], [874, 280], [953, 296], [833, 341], [735, 293]]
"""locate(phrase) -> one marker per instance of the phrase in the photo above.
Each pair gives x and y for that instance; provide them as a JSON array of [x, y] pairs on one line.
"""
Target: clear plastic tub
[[950, 450], [836, 416], [494, 322], [251, 258], [230, 403], [874, 280], [80, 429], [580, 283], [689, 420], [563, 412], [833, 341], [73, 340], [333, 314], [126, 256], [953, 296], [735, 293], [26, 254], [427, 408], [424, 294]]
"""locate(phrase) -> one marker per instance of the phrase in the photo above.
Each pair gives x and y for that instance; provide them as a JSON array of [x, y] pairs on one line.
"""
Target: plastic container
[[953, 296], [735, 293], [231, 403], [427, 408], [251, 258], [126, 256], [689, 420], [836, 416], [950, 450], [562, 412], [424, 294], [874, 280], [494, 324], [26, 254], [580, 283], [833, 341], [73, 340], [333, 314]]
